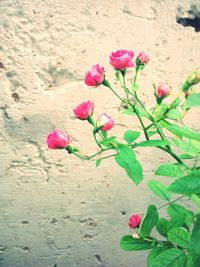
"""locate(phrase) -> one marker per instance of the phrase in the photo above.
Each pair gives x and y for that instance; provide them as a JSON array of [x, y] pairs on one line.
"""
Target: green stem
[[168, 148], [171, 202], [107, 84], [95, 138], [195, 163], [136, 74], [85, 157], [109, 156], [124, 85], [141, 122], [91, 121], [163, 137], [172, 154]]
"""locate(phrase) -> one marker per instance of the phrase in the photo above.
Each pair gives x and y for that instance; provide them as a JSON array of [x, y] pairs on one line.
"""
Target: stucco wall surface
[[56, 210]]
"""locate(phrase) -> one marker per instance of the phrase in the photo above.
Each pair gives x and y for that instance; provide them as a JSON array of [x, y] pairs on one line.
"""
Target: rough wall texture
[[57, 210]]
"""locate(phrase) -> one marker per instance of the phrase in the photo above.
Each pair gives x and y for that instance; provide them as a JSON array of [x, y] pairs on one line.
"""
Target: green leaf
[[196, 200], [154, 143], [129, 111], [159, 189], [151, 133], [192, 101], [193, 259], [129, 243], [110, 142], [186, 156], [170, 258], [130, 136], [187, 185], [154, 253], [174, 114], [149, 221], [196, 237], [179, 237], [188, 146], [162, 110], [162, 227], [181, 131], [171, 170], [126, 159], [98, 161], [177, 221], [176, 209]]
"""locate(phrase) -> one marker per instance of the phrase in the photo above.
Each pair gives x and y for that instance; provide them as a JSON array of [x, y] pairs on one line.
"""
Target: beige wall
[[56, 209]]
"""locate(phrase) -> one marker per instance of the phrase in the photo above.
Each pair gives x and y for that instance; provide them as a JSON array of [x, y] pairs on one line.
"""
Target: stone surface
[[56, 210]]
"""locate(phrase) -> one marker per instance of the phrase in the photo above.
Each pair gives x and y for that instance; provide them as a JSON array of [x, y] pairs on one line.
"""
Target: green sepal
[[70, 149], [90, 120]]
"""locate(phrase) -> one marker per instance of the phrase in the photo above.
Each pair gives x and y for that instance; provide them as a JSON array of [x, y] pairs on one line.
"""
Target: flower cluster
[[121, 60]]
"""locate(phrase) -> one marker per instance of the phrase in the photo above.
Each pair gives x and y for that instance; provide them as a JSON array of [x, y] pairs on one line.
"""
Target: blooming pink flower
[[144, 58], [162, 90], [122, 59], [134, 221], [105, 121], [95, 75], [83, 110], [58, 139]]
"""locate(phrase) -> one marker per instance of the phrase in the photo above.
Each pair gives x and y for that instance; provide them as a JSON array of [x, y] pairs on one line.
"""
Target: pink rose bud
[[95, 76], [134, 221], [83, 110], [144, 58], [58, 139], [122, 59], [162, 90], [105, 121]]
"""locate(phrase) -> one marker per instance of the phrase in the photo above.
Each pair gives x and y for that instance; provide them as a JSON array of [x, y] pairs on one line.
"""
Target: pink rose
[[83, 110], [95, 75], [122, 59], [162, 90], [134, 221], [105, 121], [58, 139], [144, 58]]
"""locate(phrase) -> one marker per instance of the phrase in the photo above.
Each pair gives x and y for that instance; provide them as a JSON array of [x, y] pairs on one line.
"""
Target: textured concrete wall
[[57, 210]]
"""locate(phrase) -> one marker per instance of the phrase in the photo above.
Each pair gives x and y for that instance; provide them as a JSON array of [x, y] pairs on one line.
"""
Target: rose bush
[[177, 243]]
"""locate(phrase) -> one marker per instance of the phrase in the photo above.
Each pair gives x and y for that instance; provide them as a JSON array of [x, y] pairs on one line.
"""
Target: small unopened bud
[[161, 91], [192, 79], [135, 235]]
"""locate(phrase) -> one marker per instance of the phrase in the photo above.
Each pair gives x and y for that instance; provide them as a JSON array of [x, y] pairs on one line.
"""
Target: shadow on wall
[[191, 18], [27, 129]]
